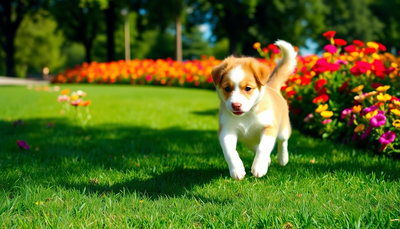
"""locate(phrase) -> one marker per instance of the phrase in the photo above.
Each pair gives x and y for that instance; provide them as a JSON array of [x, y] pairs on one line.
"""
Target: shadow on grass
[[189, 158], [211, 112]]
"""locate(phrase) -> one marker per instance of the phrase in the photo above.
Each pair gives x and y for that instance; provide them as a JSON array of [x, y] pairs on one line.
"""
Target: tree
[[244, 22], [38, 45], [352, 19], [155, 15], [79, 21], [11, 14], [387, 13]]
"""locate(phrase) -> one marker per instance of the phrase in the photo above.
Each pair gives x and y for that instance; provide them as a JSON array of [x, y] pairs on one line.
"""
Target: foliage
[[150, 157], [38, 32]]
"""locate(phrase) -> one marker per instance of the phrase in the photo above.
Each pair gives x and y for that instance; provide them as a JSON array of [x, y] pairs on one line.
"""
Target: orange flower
[[357, 109], [65, 92], [85, 103], [358, 88], [359, 128], [257, 45]]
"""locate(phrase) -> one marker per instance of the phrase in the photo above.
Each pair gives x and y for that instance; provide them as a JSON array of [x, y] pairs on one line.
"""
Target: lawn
[[150, 158]]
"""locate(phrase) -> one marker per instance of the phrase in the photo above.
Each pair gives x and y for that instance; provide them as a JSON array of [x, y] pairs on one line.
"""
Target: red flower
[[378, 69], [319, 84], [321, 98], [376, 85], [22, 144], [290, 93], [323, 91], [265, 50], [381, 47], [329, 35], [389, 70], [359, 43], [340, 42], [344, 86], [350, 48], [322, 65], [369, 50], [361, 67], [272, 46]]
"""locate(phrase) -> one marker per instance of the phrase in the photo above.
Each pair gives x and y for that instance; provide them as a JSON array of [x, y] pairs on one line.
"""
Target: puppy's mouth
[[238, 113]]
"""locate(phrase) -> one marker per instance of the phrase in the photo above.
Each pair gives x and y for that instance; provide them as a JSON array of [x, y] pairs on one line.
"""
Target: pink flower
[[22, 144], [351, 121], [148, 78], [341, 62], [378, 120], [346, 112], [368, 109], [355, 135], [330, 48], [308, 117], [326, 121], [366, 132], [387, 138]]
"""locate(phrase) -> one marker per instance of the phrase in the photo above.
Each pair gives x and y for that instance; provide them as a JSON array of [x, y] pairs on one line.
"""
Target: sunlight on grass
[[150, 157]]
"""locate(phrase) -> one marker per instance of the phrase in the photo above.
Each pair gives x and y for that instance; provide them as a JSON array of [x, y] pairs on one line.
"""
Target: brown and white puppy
[[252, 109]]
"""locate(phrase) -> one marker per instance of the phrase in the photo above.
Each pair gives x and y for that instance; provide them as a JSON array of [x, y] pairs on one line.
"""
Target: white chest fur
[[249, 127]]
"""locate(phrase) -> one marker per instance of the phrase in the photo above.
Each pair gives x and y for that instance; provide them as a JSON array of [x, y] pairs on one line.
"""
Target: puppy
[[252, 109]]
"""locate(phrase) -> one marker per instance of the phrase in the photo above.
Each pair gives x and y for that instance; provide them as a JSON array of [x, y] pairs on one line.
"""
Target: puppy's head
[[239, 82]]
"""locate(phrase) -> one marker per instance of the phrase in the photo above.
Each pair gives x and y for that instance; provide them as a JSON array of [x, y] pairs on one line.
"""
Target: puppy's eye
[[227, 89], [247, 89]]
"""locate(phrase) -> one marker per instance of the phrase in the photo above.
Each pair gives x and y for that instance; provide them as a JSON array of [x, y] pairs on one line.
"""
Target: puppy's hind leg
[[282, 142]]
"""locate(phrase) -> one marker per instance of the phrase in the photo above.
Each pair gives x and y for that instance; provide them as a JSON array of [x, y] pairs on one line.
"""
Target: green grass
[[158, 164]]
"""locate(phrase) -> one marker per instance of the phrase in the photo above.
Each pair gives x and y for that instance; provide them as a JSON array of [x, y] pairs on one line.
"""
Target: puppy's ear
[[260, 71], [217, 73]]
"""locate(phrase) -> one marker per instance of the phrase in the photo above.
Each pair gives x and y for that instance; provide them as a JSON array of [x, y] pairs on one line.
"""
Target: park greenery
[[62, 33], [150, 158]]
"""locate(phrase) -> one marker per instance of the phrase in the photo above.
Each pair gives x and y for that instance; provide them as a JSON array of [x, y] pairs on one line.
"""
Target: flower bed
[[350, 94]]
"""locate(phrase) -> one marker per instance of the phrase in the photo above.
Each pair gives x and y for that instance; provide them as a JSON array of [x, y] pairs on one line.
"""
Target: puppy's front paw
[[283, 158], [237, 172], [260, 167]]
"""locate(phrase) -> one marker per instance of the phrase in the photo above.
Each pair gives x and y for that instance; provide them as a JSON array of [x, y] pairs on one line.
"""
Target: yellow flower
[[359, 128], [257, 45], [393, 65], [321, 108], [326, 55], [326, 114], [395, 111], [396, 123], [384, 97], [39, 202], [372, 45], [358, 88], [376, 56], [371, 114], [397, 103], [354, 54], [383, 88], [357, 109], [74, 96]]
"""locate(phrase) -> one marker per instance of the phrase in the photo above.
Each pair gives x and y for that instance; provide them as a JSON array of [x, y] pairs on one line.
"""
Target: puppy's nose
[[236, 106]]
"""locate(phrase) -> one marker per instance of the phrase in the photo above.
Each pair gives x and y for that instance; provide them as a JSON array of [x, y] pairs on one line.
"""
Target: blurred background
[[40, 37]]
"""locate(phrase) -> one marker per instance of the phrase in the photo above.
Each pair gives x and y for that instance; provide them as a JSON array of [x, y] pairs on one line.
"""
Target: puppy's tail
[[284, 67]]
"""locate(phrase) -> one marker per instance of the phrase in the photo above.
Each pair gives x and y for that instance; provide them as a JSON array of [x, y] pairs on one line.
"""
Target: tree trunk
[[110, 20], [88, 49], [10, 51], [178, 38]]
